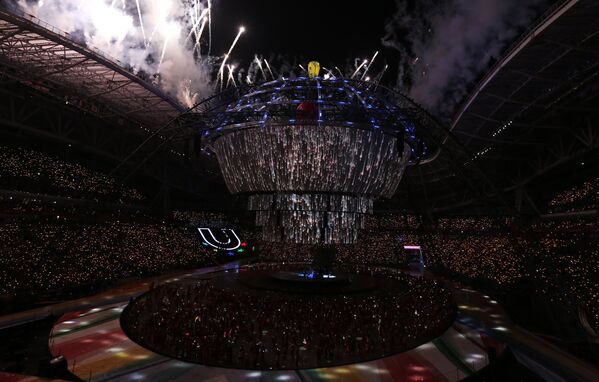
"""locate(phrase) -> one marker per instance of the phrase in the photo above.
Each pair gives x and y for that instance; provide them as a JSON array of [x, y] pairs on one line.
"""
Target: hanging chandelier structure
[[312, 154]]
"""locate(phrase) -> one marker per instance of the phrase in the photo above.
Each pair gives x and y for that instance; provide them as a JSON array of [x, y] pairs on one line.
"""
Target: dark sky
[[329, 31]]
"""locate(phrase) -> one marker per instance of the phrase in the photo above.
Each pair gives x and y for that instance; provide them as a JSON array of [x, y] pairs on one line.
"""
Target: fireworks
[[222, 66], [358, 68], [269, 70], [141, 22], [230, 78], [169, 42], [260, 66], [369, 64], [198, 39], [161, 38]]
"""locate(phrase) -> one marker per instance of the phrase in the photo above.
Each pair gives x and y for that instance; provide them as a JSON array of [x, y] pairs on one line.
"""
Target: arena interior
[[298, 221]]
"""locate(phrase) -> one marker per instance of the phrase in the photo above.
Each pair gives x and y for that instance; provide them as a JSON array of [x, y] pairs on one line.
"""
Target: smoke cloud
[[445, 46], [157, 46]]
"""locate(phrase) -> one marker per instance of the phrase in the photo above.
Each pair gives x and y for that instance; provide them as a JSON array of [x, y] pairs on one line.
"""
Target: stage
[[303, 282], [279, 317]]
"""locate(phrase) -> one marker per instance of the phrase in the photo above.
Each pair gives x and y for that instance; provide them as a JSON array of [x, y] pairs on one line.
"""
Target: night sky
[[328, 31]]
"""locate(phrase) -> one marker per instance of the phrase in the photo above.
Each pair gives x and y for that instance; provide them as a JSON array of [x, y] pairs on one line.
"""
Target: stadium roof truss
[[534, 110], [47, 59], [78, 95]]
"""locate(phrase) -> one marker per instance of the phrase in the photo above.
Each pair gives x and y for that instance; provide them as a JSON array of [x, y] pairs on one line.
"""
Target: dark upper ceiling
[[533, 114], [525, 129]]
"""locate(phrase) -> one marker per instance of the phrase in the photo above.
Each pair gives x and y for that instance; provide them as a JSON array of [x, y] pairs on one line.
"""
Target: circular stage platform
[[269, 316], [301, 282]]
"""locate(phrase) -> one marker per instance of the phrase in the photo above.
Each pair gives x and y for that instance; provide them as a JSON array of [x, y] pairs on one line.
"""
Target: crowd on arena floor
[[373, 247], [29, 170], [559, 256], [207, 321]]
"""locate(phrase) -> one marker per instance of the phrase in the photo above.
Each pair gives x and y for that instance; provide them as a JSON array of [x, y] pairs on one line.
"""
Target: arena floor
[[89, 335]]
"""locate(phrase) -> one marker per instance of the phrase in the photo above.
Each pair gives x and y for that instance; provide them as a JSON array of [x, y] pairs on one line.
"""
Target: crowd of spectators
[[21, 206], [53, 244], [381, 242], [470, 224], [565, 257], [24, 169], [227, 324], [584, 196], [565, 251], [37, 258], [45, 208], [64, 227], [475, 248], [557, 257], [391, 221], [373, 247], [201, 218]]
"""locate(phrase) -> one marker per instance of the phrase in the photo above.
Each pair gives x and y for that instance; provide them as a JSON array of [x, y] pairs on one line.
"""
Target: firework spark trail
[[220, 75], [329, 72], [163, 52], [222, 67], [359, 67], [241, 30], [260, 66], [196, 8], [151, 36], [198, 38], [268, 67], [302, 68], [141, 23], [370, 63], [195, 24], [379, 76], [230, 77], [209, 27], [339, 70]]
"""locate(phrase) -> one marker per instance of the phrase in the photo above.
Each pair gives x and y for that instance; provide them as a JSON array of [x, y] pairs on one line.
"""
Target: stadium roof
[[530, 113], [49, 60], [127, 110]]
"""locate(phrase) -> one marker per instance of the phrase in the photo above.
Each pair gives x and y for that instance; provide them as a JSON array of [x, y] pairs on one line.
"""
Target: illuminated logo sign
[[232, 240]]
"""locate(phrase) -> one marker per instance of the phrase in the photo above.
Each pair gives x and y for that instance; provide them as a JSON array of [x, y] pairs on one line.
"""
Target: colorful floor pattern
[[96, 348]]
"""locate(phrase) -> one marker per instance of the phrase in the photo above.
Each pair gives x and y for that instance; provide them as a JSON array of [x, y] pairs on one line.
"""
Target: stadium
[[414, 199]]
